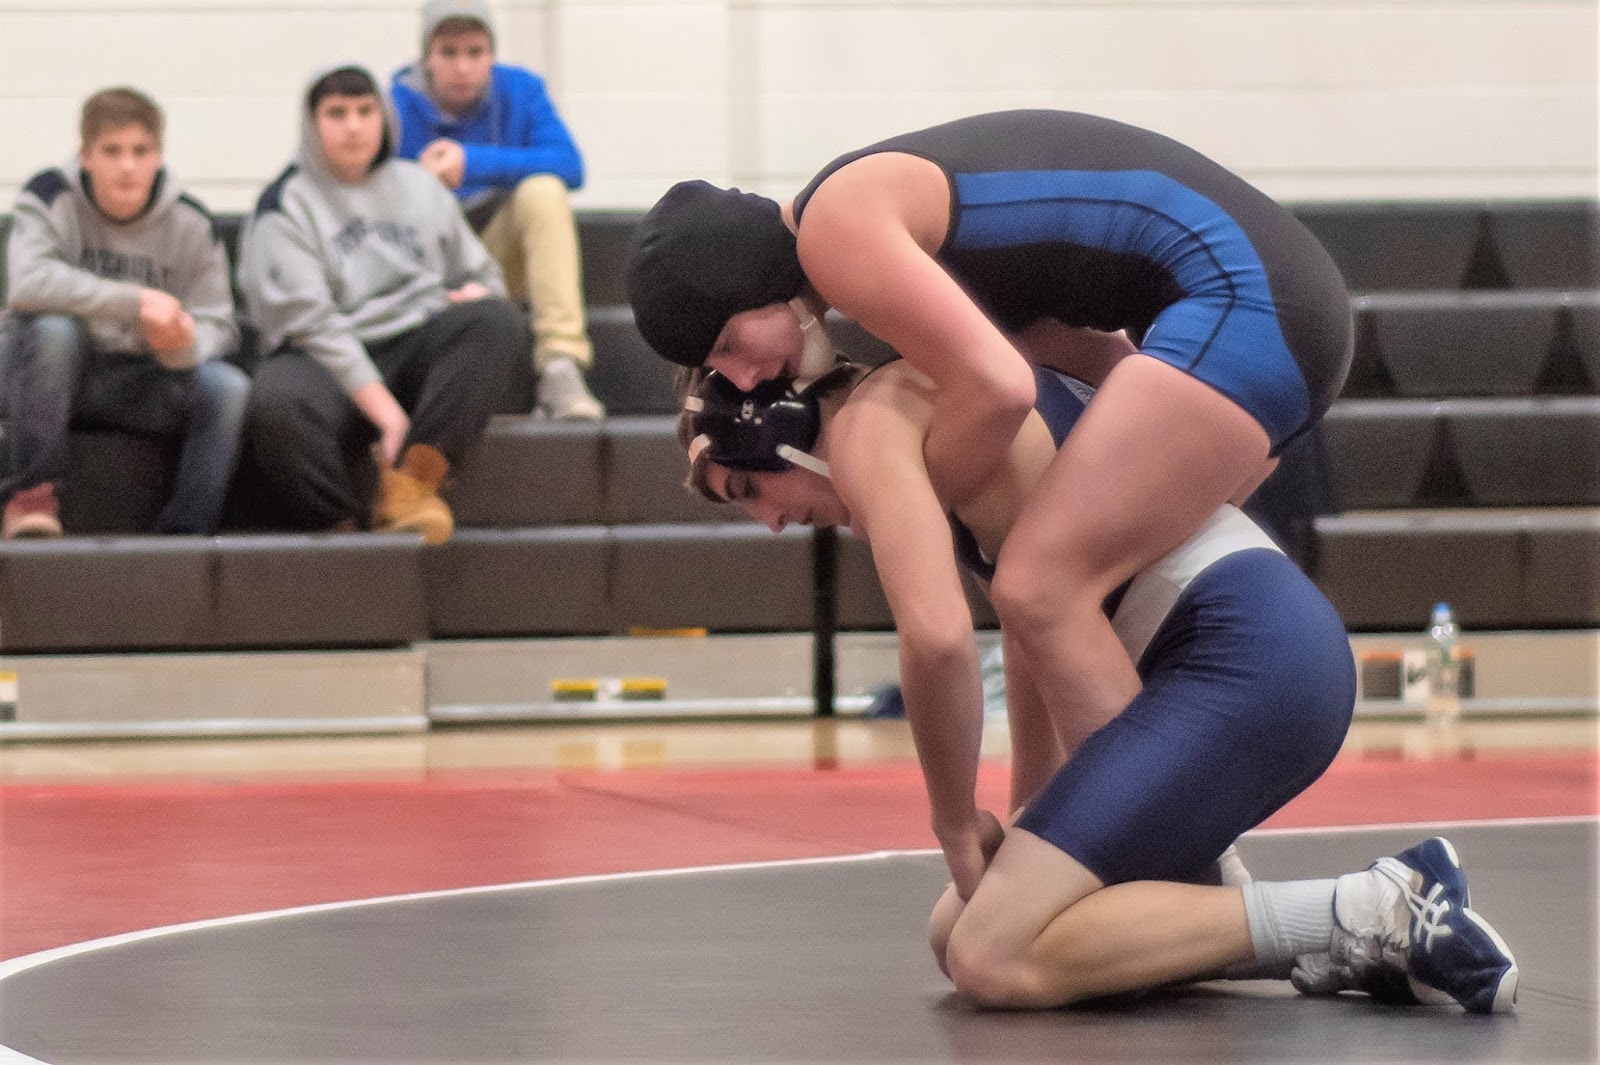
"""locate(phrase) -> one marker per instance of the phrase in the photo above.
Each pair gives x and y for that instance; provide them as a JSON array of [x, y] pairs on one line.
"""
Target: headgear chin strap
[[765, 430], [817, 353]]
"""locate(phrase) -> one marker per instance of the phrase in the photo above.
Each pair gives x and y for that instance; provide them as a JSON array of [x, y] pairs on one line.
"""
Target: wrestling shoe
[[1404, 933]]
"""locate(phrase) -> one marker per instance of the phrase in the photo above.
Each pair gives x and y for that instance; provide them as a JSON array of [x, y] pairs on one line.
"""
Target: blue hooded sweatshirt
[[512, 133]]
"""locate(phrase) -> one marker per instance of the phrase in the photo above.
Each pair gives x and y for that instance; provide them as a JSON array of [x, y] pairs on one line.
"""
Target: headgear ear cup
[[759, 430]]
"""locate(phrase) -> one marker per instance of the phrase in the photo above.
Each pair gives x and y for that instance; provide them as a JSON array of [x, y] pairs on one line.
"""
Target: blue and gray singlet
[[1095, 223]]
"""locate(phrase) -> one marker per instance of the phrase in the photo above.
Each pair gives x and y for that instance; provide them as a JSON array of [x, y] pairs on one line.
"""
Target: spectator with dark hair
[[490, 133], [385, 320], [117, 315]]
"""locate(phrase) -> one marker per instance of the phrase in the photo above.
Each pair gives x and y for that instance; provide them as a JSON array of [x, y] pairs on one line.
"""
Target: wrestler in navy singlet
[[1096, 223], [1248, 691]]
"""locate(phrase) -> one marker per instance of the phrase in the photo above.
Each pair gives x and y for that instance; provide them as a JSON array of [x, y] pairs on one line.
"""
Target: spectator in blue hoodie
[[490, 132]]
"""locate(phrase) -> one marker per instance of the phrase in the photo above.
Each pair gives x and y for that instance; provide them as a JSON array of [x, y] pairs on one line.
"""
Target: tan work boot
[[408, 497], [32, 513]]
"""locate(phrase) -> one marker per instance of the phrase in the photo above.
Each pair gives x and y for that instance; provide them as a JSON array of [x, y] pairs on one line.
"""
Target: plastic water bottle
[[1444, 670]]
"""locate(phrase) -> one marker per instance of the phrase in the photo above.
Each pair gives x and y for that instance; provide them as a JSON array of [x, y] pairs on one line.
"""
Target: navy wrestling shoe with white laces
[[1404, 932]]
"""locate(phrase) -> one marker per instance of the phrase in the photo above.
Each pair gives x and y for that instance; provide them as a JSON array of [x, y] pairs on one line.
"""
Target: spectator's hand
[[392, 438], [385, 413], [163, 323], [969, 848], [445, 160], [467, 293], [172, 348]]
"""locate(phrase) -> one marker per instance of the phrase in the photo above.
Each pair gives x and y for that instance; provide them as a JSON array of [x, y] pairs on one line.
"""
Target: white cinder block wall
[[1311, 99]]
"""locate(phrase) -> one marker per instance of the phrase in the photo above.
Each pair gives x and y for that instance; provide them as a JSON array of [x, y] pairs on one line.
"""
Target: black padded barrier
[[1561, 582], [573, 529], [1378, 450], [1548, 245], [317, 590], [1535, 452], [1396, 246], [861, 603], [627, 376], [645, 471], [605, 239], [1464, 343], [519, 582], [531, 473], [1385, 571], [116, 483], [141, 593], [724, 577], [145, 593], [1583, 316], [859, 596]]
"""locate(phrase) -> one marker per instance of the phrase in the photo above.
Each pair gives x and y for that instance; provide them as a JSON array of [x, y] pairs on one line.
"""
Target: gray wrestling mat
[[817, 962]]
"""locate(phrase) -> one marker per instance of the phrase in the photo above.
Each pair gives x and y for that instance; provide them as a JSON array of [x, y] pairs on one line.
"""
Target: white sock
[[1287, 919]]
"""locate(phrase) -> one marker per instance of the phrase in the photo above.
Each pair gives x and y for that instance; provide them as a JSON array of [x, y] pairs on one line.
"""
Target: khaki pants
[[535, 240]]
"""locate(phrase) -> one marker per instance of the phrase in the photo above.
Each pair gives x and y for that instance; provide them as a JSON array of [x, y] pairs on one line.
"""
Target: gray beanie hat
[[436, 11]]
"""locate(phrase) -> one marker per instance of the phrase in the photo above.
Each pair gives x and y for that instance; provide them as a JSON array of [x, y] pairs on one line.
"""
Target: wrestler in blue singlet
[[1248, 691], [1097, 223]]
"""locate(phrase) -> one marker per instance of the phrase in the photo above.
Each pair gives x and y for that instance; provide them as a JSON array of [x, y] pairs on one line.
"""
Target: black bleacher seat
[[102, 594], [604, 238], [577, 529], [1527, 452], [627, 376], [317, 590], [1535, 452], [149, 593], [1463, 343], [1548, 245], [1561, 575], [861, 603], [644, 474], [1378, 450], [116, 483], [726, 577], [520, 582], [1385, 571], [1583, 316], [1396, 246], [858, 595], [531, 473]]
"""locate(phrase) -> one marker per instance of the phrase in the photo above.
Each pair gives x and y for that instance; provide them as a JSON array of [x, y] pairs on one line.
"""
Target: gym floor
[[732, 891]]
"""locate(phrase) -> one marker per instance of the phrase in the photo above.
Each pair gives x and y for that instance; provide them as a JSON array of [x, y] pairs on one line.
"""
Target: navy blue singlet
[[1248, 690]]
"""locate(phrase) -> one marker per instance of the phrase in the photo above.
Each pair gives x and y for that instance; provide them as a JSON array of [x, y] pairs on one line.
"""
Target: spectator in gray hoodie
[[386, 323], [117, 316]]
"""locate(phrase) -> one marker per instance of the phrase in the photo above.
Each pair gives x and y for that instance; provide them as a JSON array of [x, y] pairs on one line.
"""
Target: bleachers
[[1465, 452], [1465, 456]]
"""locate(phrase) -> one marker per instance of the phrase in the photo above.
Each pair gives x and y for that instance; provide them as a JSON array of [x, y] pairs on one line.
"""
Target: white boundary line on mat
[[16, 966]]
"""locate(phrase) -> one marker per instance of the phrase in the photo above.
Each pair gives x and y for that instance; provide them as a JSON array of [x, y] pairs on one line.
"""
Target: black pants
[[309, 446]]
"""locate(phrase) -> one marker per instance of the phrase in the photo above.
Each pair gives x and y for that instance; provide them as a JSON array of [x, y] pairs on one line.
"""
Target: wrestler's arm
[[867, 239], [879, 472]]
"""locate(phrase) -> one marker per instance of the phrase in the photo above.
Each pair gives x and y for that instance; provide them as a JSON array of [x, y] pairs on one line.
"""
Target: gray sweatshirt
[[328, 267], [65, 257]]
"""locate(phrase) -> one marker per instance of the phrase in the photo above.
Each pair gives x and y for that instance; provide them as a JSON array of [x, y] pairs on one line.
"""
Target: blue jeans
[[55, 380]]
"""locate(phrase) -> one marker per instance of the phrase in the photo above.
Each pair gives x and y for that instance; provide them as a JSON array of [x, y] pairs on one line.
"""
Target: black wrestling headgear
[[701, 256], [765, 430]]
